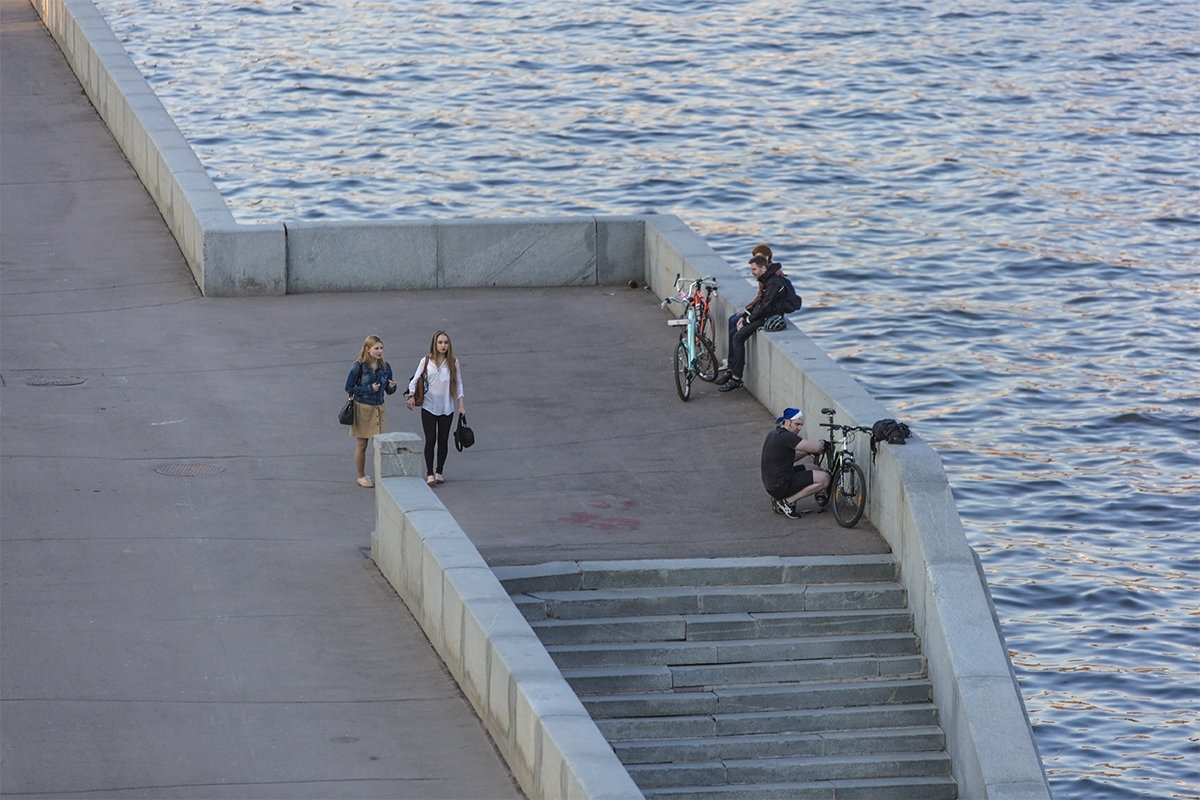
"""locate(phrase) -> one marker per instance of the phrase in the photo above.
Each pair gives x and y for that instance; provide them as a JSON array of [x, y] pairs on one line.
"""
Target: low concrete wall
[[373, 256], [225, 258], [230, 258], [989, 736], [551, 744]]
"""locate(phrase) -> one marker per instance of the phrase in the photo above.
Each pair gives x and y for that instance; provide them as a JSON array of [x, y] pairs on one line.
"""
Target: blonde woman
[[443, 391], [369, 380]]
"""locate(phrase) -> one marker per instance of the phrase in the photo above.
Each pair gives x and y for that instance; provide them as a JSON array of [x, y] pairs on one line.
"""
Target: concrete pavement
[[186, 608]]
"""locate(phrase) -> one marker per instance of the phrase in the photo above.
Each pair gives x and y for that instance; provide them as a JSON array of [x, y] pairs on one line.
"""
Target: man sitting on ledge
[[769, 302]]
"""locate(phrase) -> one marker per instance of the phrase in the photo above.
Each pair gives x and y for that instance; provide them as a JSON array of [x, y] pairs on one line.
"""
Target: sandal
[[430, 480], [365, 482]]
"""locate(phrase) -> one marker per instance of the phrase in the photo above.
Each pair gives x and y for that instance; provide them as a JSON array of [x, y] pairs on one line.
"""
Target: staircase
[[746, 678]]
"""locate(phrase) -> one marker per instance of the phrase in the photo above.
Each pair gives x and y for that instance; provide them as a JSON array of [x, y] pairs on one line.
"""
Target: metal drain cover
[[188, 470], [54, 380]]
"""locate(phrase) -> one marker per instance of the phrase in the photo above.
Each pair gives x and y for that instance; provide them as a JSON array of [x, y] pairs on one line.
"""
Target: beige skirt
[[368, 420]]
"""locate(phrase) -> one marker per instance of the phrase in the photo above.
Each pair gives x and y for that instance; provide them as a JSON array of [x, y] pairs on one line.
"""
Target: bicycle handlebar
[[707, 282], [833, 426]]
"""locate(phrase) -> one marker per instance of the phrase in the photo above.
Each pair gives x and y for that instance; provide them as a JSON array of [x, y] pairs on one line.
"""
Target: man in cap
[[784, 479]]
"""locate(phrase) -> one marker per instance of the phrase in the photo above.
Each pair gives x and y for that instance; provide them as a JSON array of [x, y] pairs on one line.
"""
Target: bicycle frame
[[847, 483], [695, 354]]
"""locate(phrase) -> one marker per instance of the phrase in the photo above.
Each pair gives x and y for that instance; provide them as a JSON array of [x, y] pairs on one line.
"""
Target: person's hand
[[375, 386], [410, 402], [391, 384]]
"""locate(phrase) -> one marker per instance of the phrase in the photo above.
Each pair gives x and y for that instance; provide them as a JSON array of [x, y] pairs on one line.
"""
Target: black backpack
[[790, 301], [890, 431]]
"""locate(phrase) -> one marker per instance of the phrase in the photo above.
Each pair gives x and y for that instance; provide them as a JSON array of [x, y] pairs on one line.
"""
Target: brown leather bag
[[419, 394]]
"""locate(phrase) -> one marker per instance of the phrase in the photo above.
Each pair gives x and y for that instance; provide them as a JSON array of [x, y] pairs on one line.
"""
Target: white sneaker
[[785, 508]]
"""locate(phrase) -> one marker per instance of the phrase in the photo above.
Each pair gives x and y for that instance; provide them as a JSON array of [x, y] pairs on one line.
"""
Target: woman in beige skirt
[[369, 380]]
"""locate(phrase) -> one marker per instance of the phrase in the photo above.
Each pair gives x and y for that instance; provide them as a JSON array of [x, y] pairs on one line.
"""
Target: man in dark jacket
[[772, 288]]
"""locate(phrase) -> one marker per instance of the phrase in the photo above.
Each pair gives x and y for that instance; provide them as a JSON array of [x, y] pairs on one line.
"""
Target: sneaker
[[788, 510], [724, 379], [365, 482], [731, 384], [777, 506]]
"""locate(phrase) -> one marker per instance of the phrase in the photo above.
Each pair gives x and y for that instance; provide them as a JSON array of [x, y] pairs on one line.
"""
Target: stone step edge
[[596, 573], [761, 643], [674, 591], [813, 687], [723, 616], [918, 764], [800, 721], [899, 731], [799, 763], [848, 787], [644, 670]]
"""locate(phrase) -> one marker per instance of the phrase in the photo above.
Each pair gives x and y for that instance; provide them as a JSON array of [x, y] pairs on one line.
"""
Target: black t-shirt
[[779, 458]]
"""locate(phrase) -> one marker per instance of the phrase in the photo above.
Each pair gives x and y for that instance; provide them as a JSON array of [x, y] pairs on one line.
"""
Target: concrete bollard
[[399, 455]]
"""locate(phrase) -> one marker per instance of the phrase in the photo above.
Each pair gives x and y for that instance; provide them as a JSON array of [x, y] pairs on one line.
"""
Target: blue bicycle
[[695, 355]]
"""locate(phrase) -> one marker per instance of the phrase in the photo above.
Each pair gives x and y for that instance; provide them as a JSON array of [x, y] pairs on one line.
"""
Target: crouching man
[[784, 479]]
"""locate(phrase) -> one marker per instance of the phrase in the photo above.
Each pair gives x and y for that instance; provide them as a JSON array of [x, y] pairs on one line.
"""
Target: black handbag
[[346, 415], [463, 436]]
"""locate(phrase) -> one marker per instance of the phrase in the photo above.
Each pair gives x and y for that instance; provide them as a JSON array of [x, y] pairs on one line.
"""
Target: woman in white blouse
[[443, 391]]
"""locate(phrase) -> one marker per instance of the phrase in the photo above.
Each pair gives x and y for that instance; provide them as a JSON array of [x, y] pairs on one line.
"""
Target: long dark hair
[[450, 359]]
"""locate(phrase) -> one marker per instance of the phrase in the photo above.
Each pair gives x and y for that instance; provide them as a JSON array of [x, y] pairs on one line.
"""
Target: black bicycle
[[847, 483]]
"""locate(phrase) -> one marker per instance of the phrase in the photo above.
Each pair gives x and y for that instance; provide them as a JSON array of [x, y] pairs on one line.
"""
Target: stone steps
[[774, 745], [891, 788], [704, 627], [662, 677], [753, 678], [803, 720]]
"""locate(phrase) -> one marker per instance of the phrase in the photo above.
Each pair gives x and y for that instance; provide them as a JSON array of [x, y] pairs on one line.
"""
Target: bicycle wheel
[[848, 492], [683, 372], [706, 359]]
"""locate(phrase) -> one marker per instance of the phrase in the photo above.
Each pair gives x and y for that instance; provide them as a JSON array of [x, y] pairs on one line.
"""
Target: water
[[991, 207]]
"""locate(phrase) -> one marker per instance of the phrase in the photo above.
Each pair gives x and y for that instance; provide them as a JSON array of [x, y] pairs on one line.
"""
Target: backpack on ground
[[890, 431]]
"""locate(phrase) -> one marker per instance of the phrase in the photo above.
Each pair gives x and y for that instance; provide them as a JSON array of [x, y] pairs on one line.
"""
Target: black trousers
[[437, 431]]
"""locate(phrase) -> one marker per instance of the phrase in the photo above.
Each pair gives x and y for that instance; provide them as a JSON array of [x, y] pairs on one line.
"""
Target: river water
[[991, 207]]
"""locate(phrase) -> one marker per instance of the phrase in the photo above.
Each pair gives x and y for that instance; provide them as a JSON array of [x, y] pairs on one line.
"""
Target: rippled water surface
[[992, 209]]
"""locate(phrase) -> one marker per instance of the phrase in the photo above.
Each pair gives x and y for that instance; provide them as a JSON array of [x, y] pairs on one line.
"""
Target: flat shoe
[[365, 482], [438, 479], [430, 480]]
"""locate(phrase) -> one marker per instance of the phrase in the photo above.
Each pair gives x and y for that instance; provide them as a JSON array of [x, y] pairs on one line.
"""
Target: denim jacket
[[360, 385]]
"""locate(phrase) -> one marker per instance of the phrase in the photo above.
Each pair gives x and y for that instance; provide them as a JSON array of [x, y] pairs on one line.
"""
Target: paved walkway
[[186, 607]]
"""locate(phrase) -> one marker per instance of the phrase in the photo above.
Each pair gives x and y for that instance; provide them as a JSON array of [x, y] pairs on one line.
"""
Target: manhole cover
[[188, 470], [54, 380]]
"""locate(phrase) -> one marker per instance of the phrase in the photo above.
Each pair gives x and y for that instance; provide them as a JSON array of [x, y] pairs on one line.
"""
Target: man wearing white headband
[[784, 479]]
